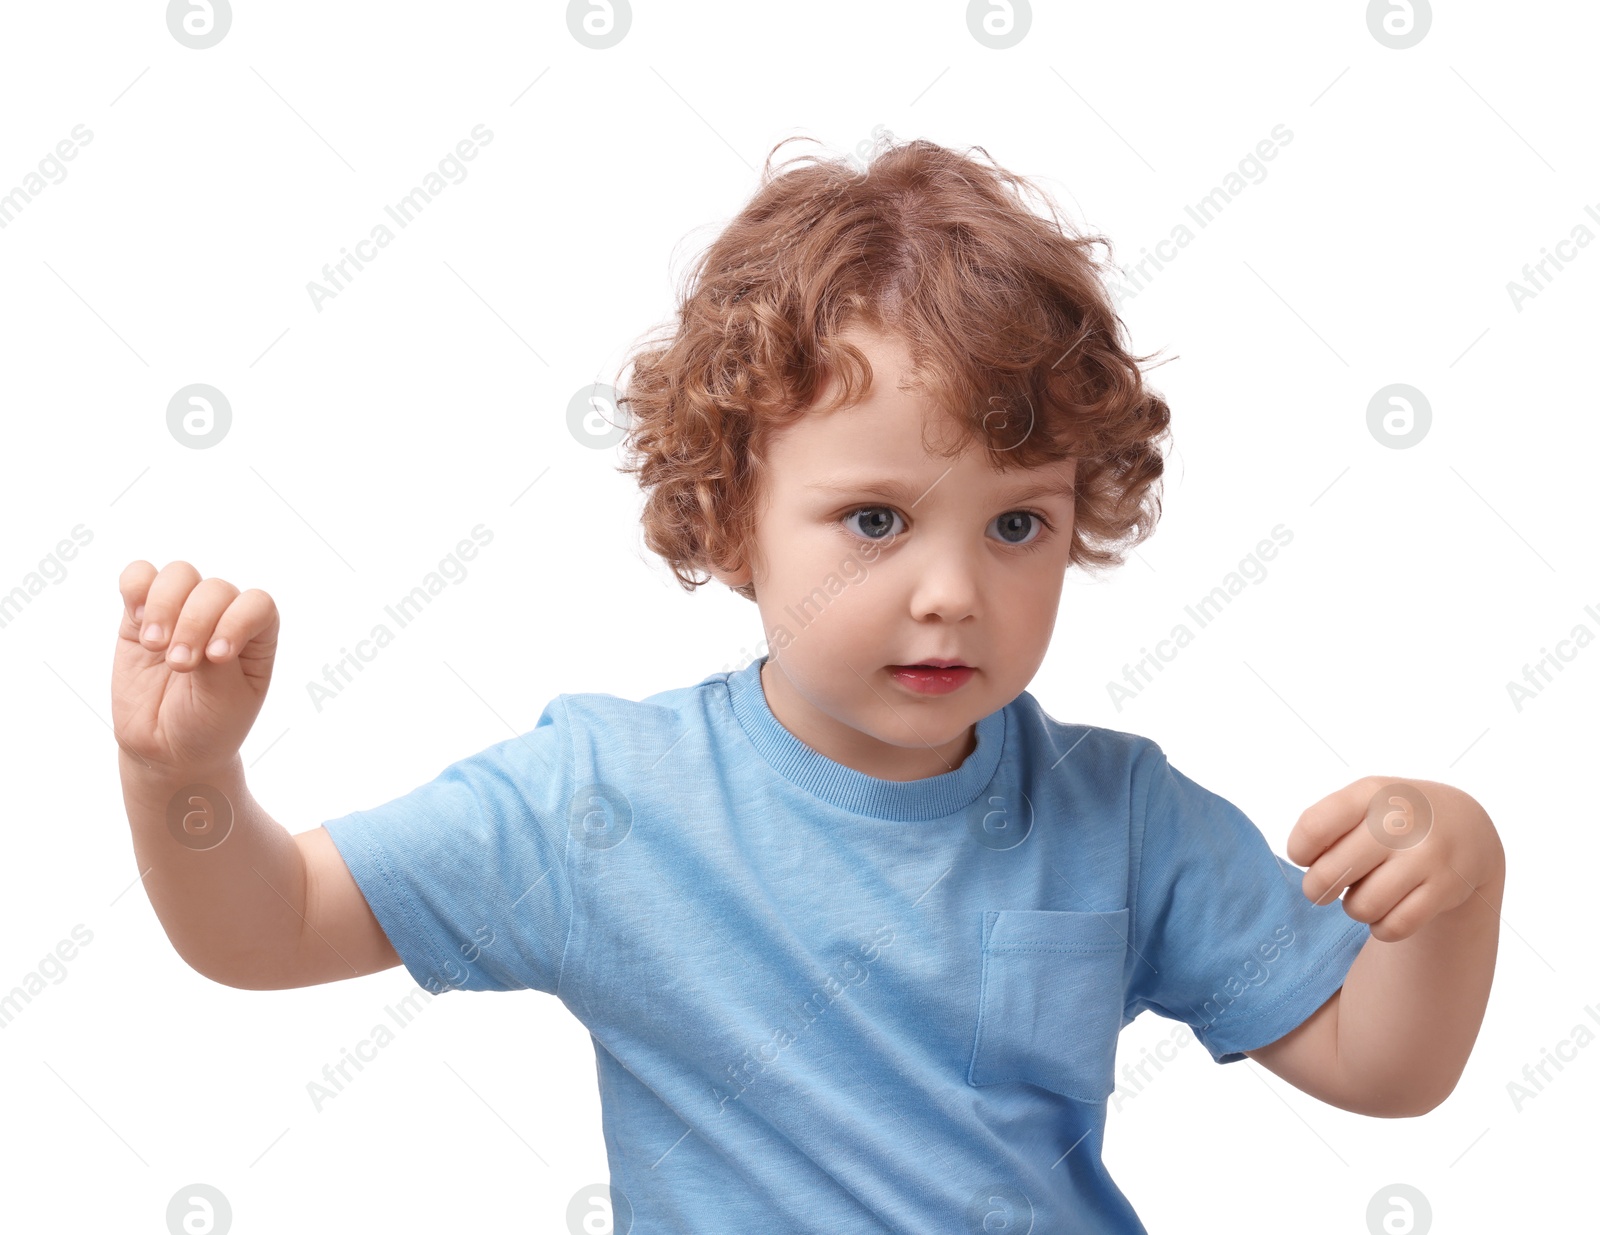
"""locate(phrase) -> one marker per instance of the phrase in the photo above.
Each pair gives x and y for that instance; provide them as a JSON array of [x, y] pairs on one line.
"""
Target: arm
[[242, 901], [259, 910], [1394, 1040]]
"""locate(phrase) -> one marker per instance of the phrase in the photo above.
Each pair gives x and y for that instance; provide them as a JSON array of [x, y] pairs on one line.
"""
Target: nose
[[944, 582]]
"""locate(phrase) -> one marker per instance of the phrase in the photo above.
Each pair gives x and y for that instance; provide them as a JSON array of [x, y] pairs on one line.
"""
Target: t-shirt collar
[[932, 797]]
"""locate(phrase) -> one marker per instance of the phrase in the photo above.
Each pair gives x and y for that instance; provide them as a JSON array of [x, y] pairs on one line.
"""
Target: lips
[[935, 678]]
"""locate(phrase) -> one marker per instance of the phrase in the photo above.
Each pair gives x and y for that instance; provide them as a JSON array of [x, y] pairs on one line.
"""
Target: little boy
[[854, 928]]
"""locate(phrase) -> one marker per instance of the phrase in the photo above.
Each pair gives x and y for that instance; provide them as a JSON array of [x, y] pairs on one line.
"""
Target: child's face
[[852, 581]]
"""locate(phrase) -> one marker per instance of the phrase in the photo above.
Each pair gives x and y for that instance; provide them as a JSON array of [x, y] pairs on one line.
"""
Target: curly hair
[[1008, 325]]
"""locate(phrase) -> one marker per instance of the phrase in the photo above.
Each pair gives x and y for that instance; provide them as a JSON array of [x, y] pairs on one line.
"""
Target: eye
[[880, 527], [1014, 523]]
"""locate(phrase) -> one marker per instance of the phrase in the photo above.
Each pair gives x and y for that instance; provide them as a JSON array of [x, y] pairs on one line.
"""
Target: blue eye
[[1008, 525], [881, 528], [882, 523]]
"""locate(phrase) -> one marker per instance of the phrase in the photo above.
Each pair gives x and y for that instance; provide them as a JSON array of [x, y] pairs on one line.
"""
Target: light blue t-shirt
[[829, 1004]]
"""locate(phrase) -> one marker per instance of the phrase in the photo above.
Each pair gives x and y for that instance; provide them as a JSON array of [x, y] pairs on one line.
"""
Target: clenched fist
[[193, 661]]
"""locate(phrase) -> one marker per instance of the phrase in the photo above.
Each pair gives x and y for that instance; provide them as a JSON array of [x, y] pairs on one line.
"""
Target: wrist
[[1496, 866], [154, 777]]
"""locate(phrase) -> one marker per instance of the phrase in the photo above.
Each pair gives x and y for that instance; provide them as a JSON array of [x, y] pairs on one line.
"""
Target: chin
[[925, 735]]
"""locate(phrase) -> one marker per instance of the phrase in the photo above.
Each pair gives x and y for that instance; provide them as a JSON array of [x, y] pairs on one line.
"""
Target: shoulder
[[598, 720], [1107, 756]]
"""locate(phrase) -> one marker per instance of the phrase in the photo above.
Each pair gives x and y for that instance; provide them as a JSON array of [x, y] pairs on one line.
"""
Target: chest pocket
[[1050, 1000]]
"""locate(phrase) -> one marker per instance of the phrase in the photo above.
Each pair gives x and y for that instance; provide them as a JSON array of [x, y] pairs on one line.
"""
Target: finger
[[1353, 857], [1323, 823], [193, 630], [134, 583], [164, 602], [1396, 909], [249, 626]]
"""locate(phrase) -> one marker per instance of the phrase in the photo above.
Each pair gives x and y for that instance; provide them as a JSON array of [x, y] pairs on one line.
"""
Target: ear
[[736, 578]]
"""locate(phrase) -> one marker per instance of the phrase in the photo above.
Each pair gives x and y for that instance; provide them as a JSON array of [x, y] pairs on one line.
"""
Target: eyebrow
[[900, 490]]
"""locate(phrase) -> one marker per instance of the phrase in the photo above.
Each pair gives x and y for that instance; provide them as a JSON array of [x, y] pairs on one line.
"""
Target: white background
[[368, 438]]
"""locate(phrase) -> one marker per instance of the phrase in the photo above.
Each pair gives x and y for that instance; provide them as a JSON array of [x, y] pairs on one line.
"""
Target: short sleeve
[[467, 874], [1223, 938]]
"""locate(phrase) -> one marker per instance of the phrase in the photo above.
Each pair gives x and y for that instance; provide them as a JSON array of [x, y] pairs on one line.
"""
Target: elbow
[[219, 975], [236, 975], [236, 982], [1399, 1105], [1434, 1101]]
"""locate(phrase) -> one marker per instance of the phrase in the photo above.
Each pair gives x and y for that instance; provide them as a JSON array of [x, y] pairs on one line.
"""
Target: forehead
[[890, 440], [887, 426]]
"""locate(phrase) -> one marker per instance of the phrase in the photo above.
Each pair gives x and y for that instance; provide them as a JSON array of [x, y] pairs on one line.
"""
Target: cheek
[[853, 570], [819, 549], [1029, 599]]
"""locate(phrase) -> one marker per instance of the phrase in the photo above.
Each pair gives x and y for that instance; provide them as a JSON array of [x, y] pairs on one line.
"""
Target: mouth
[[939, 677]]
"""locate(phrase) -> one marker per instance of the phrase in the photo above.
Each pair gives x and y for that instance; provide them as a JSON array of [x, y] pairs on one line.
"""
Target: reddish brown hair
[[1003, 312]]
